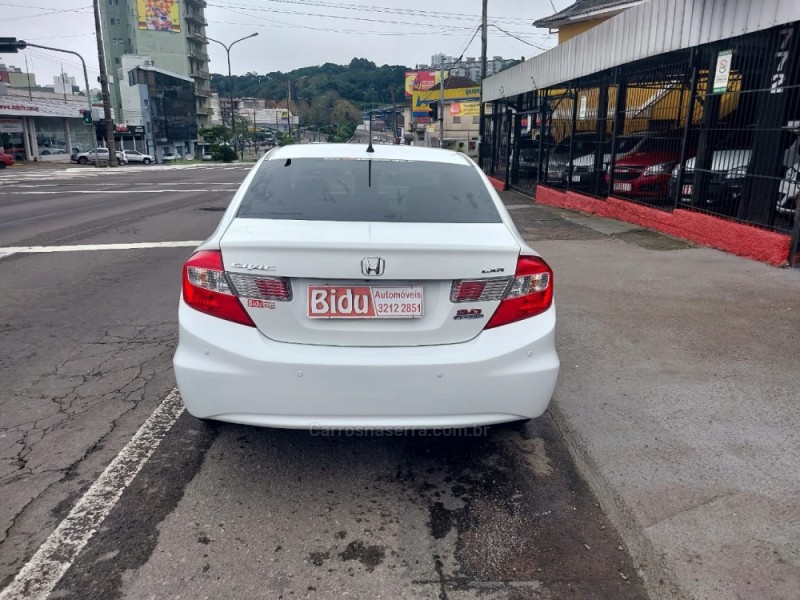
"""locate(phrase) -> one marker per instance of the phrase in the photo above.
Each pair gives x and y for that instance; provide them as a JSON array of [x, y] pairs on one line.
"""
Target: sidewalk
[[679, 397]]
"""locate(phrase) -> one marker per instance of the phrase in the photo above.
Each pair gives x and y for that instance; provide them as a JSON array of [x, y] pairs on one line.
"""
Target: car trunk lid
[[418, 263]]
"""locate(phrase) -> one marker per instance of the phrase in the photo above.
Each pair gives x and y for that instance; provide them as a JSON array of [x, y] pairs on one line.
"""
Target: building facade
[[16, 77], [158, 104], [470, 67], [170, 33], [43, 126], [681, 115]]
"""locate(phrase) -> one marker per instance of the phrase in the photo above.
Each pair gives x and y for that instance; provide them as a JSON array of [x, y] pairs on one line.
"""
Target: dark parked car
[[582, 143], [730, 164], [583, 171]]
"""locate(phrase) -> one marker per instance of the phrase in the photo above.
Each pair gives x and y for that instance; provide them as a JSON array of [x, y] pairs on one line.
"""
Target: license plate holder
[[364, 302], [688, 189], [622, 187]]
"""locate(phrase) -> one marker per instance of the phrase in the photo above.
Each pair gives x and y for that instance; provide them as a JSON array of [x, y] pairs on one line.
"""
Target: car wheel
[[147, 161], [82, 160]]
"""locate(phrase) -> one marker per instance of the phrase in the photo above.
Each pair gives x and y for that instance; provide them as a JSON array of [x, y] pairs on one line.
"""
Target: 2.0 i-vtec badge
[[468, 313]]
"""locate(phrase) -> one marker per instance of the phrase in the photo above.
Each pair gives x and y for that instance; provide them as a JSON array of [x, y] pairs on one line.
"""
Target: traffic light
[[10, 45], [434, 111], [87, 116]]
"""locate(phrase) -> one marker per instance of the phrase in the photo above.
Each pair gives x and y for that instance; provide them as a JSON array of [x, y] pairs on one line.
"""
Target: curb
[[658, 580]]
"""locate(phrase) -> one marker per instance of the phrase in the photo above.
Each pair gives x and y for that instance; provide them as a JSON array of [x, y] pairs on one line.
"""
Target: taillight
[[479, 290], [530, 293], [206, 288]]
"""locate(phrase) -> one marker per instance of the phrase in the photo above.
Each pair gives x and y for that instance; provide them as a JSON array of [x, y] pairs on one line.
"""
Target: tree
[[216, 134], [348, 81]]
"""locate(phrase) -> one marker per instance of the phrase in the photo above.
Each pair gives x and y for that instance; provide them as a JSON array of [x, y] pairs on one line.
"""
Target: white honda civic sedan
[[348, 287]]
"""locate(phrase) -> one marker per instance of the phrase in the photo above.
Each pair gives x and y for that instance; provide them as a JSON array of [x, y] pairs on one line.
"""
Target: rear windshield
[[320, 189]]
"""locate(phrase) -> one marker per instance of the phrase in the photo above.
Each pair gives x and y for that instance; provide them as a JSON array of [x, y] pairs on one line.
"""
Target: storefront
[[681, 115], [34, 129]]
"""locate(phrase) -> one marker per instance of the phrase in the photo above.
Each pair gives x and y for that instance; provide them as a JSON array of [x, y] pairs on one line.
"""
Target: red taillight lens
[[531, 293], [205, 288]]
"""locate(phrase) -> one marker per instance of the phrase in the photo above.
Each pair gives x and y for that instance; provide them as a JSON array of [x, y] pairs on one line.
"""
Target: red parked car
[[6, 160], [646, 172]]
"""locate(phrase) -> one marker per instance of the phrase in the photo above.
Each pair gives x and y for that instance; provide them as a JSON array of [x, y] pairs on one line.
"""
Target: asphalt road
[[222, 511]]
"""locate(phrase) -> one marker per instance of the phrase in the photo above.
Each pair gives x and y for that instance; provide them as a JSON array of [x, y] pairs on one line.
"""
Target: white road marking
[[9, 250], [55, 556], [159, 191]]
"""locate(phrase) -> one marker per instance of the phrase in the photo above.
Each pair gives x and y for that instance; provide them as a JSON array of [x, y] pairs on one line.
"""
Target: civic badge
[[373, 265]]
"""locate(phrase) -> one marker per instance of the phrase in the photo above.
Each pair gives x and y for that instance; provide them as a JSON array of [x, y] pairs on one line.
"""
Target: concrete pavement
[[85, 347], [678, 396]]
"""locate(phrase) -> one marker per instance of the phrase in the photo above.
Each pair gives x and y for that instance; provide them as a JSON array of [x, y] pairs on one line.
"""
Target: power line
[[45, 14], [43, 56], [392, 10], [508, 33], [235, 7], [281, 24], [59, 37]]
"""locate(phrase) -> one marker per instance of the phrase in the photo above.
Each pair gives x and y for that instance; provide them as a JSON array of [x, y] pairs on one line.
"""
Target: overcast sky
[[295, 33]]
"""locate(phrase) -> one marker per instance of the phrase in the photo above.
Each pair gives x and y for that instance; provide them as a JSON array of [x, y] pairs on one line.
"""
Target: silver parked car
[[133, 156], [102, 154]]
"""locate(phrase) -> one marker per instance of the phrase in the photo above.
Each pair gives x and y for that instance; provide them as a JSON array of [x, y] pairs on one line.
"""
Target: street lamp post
[[88, 94], [288, 108], [230, 81]]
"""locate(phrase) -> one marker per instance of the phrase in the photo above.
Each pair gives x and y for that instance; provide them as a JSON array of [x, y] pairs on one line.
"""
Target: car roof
[[359, 151]]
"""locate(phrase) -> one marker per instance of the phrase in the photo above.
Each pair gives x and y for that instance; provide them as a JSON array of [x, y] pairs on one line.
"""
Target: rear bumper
[[232, 373]]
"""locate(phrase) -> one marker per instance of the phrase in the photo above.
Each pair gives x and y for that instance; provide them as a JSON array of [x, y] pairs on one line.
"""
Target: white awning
[[647, 30]]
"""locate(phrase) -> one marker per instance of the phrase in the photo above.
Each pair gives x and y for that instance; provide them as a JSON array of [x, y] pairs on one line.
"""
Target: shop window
[[456, 120], [476, 120]]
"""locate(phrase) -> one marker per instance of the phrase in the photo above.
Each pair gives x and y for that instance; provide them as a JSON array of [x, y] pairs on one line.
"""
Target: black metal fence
[[713, 129]]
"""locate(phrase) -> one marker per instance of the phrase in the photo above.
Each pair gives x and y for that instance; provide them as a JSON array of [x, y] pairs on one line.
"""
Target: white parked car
[[170, 157], [133, 156], [351, 289], [102, 153]]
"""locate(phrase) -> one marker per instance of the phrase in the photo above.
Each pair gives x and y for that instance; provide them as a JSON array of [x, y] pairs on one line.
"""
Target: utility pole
[[482, 111], [441, 101], [101, 57], [289, 109], [395, 138]]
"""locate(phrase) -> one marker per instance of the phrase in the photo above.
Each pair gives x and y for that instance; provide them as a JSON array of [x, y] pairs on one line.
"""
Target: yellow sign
[[159, 15], [420, 101], [465, 109]]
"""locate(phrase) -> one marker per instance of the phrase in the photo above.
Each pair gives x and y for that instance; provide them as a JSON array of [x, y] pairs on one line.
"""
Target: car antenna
[[370, 148]]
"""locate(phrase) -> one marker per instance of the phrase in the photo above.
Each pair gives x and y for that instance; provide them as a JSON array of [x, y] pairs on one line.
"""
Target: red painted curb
[[737, 238], [498, 184]]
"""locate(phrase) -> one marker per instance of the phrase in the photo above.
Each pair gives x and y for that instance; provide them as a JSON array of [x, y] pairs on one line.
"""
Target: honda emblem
[[372, 265]]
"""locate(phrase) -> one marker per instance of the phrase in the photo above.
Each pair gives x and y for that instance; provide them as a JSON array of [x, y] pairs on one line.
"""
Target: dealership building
[[679, 115], [38, 125]]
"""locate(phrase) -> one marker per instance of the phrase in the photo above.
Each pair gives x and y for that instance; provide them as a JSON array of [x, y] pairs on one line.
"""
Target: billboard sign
[[421, 100], [422, 80], [465, 109], [10, 125], [159, 15]]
